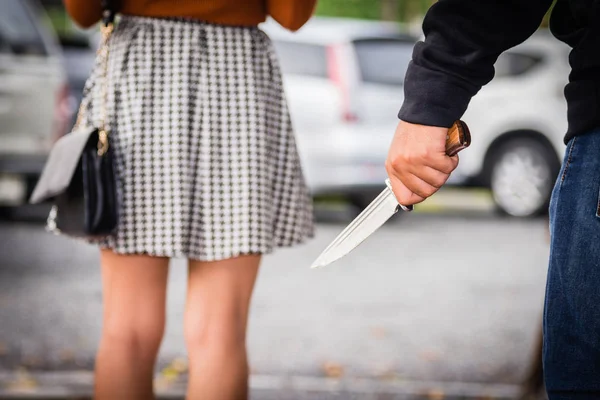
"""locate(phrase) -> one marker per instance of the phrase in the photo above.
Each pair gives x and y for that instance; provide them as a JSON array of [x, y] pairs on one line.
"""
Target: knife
[[383, 207]]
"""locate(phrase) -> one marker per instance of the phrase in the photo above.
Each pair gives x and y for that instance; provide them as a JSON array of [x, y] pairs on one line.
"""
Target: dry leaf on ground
[[436, 394], [23, 382], [333, 370]]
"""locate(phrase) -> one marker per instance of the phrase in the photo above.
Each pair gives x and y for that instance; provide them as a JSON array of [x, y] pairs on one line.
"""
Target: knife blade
[[383, 207]]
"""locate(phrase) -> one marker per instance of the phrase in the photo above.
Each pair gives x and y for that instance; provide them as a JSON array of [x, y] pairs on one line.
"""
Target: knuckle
[[447, 168], [440, 180], [388, 167], [430, 191], [412, 158], [428, 153], [397, 163]]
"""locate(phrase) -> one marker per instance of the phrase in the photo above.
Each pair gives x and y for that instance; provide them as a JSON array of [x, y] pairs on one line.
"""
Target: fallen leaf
[[172, 371], [180, 365], [436, 394], [169, 374], [333, 370], [23, 382]]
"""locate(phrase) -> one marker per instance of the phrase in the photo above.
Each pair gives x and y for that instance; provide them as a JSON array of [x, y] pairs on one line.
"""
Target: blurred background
[[444, 302]]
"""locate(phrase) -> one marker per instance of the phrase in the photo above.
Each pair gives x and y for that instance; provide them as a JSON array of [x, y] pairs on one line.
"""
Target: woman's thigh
[[218, 297], [134, 294]]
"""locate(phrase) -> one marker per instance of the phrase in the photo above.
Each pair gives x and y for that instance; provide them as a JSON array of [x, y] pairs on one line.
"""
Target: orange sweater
[[291, 14]]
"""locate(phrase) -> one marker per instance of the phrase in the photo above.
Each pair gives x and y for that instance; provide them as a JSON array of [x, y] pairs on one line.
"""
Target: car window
[[515, 64], [302, 58], [18, 30], [383, 61]]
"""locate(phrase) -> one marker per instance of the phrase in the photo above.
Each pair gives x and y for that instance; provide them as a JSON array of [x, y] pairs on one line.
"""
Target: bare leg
[[216, 317], [134, 290]]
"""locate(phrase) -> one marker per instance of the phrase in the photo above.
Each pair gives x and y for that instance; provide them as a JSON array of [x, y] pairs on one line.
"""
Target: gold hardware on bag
[[102, 142]]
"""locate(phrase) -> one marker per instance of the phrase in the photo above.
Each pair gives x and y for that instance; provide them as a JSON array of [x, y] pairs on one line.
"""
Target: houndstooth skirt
[[207, 165]]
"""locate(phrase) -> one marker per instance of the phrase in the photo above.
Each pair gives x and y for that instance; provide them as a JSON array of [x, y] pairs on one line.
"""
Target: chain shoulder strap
[[107, 29]]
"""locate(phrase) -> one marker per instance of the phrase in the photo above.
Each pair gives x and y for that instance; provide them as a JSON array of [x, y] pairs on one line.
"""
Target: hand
[[417, 164]]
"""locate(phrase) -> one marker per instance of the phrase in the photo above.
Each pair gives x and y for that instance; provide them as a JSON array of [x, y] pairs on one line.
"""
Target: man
[[463, 39]]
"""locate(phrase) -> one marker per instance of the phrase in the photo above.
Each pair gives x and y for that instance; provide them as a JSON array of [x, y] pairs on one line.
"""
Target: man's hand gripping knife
[[421, 159]]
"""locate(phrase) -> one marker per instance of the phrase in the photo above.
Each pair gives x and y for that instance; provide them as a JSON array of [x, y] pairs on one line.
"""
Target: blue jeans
[[572, 305]]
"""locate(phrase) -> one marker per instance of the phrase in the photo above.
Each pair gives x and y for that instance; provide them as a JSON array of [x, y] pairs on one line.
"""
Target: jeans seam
[[568, 162], [598, 206]]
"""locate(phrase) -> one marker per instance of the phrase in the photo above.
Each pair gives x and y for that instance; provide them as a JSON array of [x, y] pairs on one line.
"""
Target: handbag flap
[[61, 165]]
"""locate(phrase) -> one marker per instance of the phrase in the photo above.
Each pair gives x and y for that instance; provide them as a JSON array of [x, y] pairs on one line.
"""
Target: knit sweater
[[291, 14]]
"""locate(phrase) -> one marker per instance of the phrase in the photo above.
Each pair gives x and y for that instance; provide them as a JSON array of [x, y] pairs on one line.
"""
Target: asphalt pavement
[[439, 304]]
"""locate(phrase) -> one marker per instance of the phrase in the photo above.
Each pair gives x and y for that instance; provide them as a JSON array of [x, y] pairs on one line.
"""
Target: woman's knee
[[134, 295], [217, 332], [144, 336]]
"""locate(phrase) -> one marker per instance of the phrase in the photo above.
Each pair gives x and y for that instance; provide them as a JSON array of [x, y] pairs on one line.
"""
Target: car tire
[[521, 175]]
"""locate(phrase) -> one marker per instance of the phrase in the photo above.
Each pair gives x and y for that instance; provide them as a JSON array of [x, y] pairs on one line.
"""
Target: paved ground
[[429, 298]]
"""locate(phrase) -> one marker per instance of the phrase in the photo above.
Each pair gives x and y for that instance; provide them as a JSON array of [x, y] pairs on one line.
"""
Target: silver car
[[343, 79], [344, 82], [35, 102]]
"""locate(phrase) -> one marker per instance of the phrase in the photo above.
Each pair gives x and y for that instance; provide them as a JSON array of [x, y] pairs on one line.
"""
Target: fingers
[[428, 176], [431, 158], [417, 186], [417, 163], [404, 195]]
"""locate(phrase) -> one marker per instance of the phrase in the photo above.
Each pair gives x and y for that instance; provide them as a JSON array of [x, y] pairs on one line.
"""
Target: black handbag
[[78, 177]]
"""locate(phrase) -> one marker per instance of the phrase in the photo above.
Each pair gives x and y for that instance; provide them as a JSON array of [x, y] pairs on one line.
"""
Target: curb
[[23, 385]]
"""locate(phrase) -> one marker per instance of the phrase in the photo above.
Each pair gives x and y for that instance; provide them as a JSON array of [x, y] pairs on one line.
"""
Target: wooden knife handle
[[458, 138]]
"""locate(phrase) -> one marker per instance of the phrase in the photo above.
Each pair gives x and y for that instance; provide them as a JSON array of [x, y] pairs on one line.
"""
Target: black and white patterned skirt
[[207, 163]]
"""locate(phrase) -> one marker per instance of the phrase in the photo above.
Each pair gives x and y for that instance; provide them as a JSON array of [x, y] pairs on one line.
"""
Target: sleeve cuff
[[433, 98]]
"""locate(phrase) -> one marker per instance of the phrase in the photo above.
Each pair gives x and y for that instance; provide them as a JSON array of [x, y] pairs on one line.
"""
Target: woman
[[207, 169]]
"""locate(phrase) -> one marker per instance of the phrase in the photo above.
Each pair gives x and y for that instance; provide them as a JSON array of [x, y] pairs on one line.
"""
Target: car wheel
[[522, 175]]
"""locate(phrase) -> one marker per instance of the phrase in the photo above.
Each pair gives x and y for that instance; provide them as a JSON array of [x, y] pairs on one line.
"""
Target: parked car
[[344, 84], [35, 103], [79, 47], [343, 79], [79, 52], [518, 122]]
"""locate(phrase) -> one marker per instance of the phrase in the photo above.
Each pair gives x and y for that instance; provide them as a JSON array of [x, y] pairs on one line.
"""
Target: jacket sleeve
[[84, 12], [291, 14], [463, 39]]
